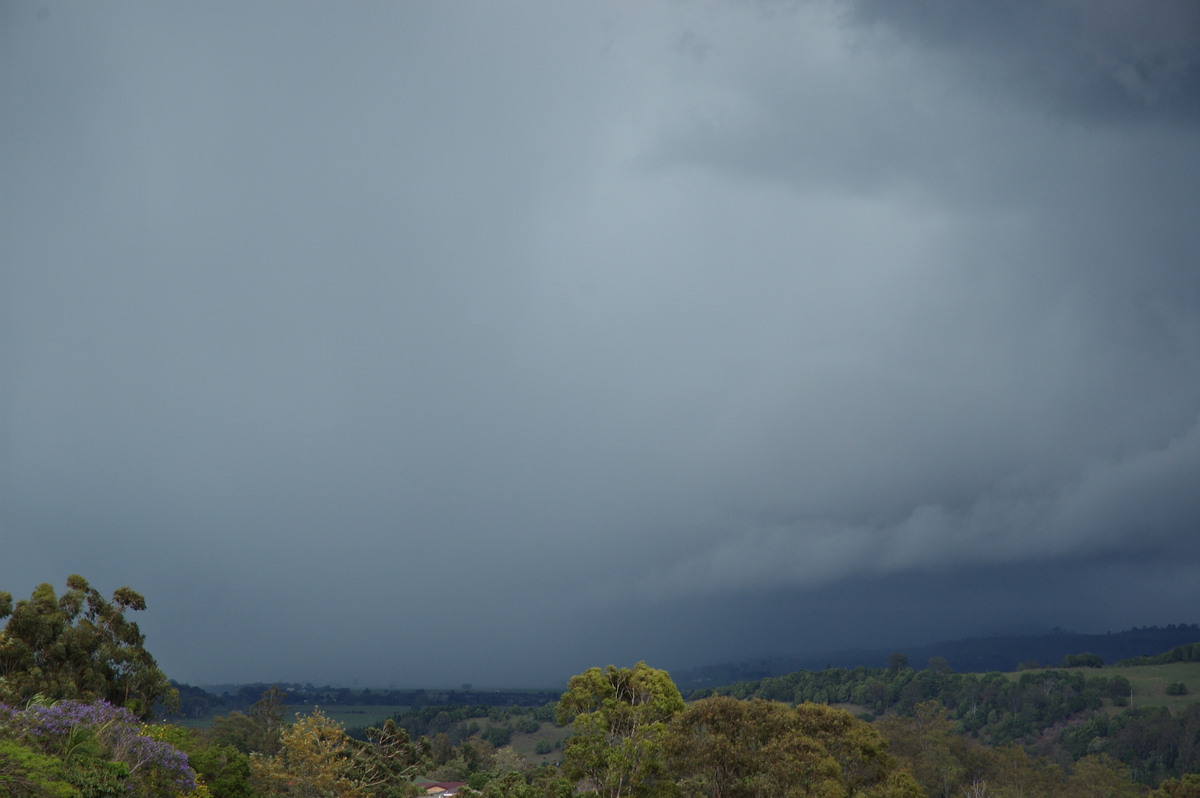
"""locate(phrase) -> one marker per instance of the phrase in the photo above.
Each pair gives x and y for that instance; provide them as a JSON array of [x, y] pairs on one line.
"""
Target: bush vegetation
[[82, 706]]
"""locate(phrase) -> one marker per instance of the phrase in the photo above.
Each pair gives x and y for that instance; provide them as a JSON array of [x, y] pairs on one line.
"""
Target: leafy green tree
[[927, 743], [896, 662], [509, 785], [256, 731], [619, 716], [728, 748], [79, 646], [1184, 787], [938, 664], [314, 761], [223, 769], [1087, 660], [1100, 776], [440, 749], [387, 762]]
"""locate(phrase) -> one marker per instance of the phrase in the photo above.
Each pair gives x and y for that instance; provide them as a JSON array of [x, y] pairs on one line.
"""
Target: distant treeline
[[1188, 653], [988, 706], [1049, 713], [452, 724], [979, 655], [196, 702]]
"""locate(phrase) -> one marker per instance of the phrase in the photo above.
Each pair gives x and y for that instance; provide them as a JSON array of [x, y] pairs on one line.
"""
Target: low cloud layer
[[544, 336]]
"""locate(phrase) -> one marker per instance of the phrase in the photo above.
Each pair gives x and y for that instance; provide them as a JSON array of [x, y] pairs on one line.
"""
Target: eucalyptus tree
[[79, 646], [724, 747], [619, 716]]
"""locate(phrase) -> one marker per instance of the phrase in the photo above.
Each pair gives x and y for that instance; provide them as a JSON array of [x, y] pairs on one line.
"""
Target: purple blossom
[[56, 727]]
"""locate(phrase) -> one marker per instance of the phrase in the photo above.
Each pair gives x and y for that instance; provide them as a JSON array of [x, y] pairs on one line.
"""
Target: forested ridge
[[1062, 714], [86, 712], [972, 654]]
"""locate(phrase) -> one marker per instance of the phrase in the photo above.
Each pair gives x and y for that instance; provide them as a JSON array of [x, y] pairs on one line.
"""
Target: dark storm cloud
[[1107, 60], [350, 336]]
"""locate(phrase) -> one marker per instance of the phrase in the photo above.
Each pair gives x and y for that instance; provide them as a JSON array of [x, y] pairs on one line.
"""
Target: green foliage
[[619, 716], [947, 764], [1082, 661], [1177, 688], [728, 748], [78, 646], [988, 705], [223, 769], [938, 664], [510, 785], [1100, 775], [314, 761], [315, 758], [98, 748], [1188, 653], [498, 735], [387, 762], [256, 731], [25, 773], [1185, 787], [1153, 744], [527, 725], [927, 743]]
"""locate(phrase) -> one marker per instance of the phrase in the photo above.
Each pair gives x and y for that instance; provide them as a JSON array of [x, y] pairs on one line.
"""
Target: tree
[[896, 662], [224, 770], [1100, 776], [387, 762], [619, 716], [938, 664], [728, 748], [1184, 787], [926, 742], [314, 761], [257, 731], [79, 646], [1086, 660]]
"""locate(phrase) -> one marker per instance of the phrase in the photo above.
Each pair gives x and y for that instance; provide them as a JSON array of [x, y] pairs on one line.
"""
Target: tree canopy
[[728, 748], [619, 716], [78, 646]]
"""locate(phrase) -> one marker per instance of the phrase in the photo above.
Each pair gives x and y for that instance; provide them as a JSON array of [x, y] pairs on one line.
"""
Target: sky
[[413, 344]]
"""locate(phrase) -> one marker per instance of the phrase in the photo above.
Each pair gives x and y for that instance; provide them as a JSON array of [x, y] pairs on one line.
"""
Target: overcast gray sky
[[428, 342]]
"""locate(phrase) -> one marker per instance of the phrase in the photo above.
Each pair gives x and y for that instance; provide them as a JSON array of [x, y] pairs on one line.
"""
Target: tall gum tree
[[619, 716], [79, 646], [728, 748]]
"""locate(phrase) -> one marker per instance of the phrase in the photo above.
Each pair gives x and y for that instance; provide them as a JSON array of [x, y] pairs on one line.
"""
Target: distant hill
[[976, 654]]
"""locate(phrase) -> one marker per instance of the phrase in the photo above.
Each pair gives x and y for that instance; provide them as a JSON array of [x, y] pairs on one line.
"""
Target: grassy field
[[526, 744], [349, 715], [1149, 682]]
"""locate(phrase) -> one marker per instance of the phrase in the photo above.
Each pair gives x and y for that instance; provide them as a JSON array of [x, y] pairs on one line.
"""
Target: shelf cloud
[[428, 343]]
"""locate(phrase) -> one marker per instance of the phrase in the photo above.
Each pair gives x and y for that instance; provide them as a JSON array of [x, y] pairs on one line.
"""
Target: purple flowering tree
[[91, 737]]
